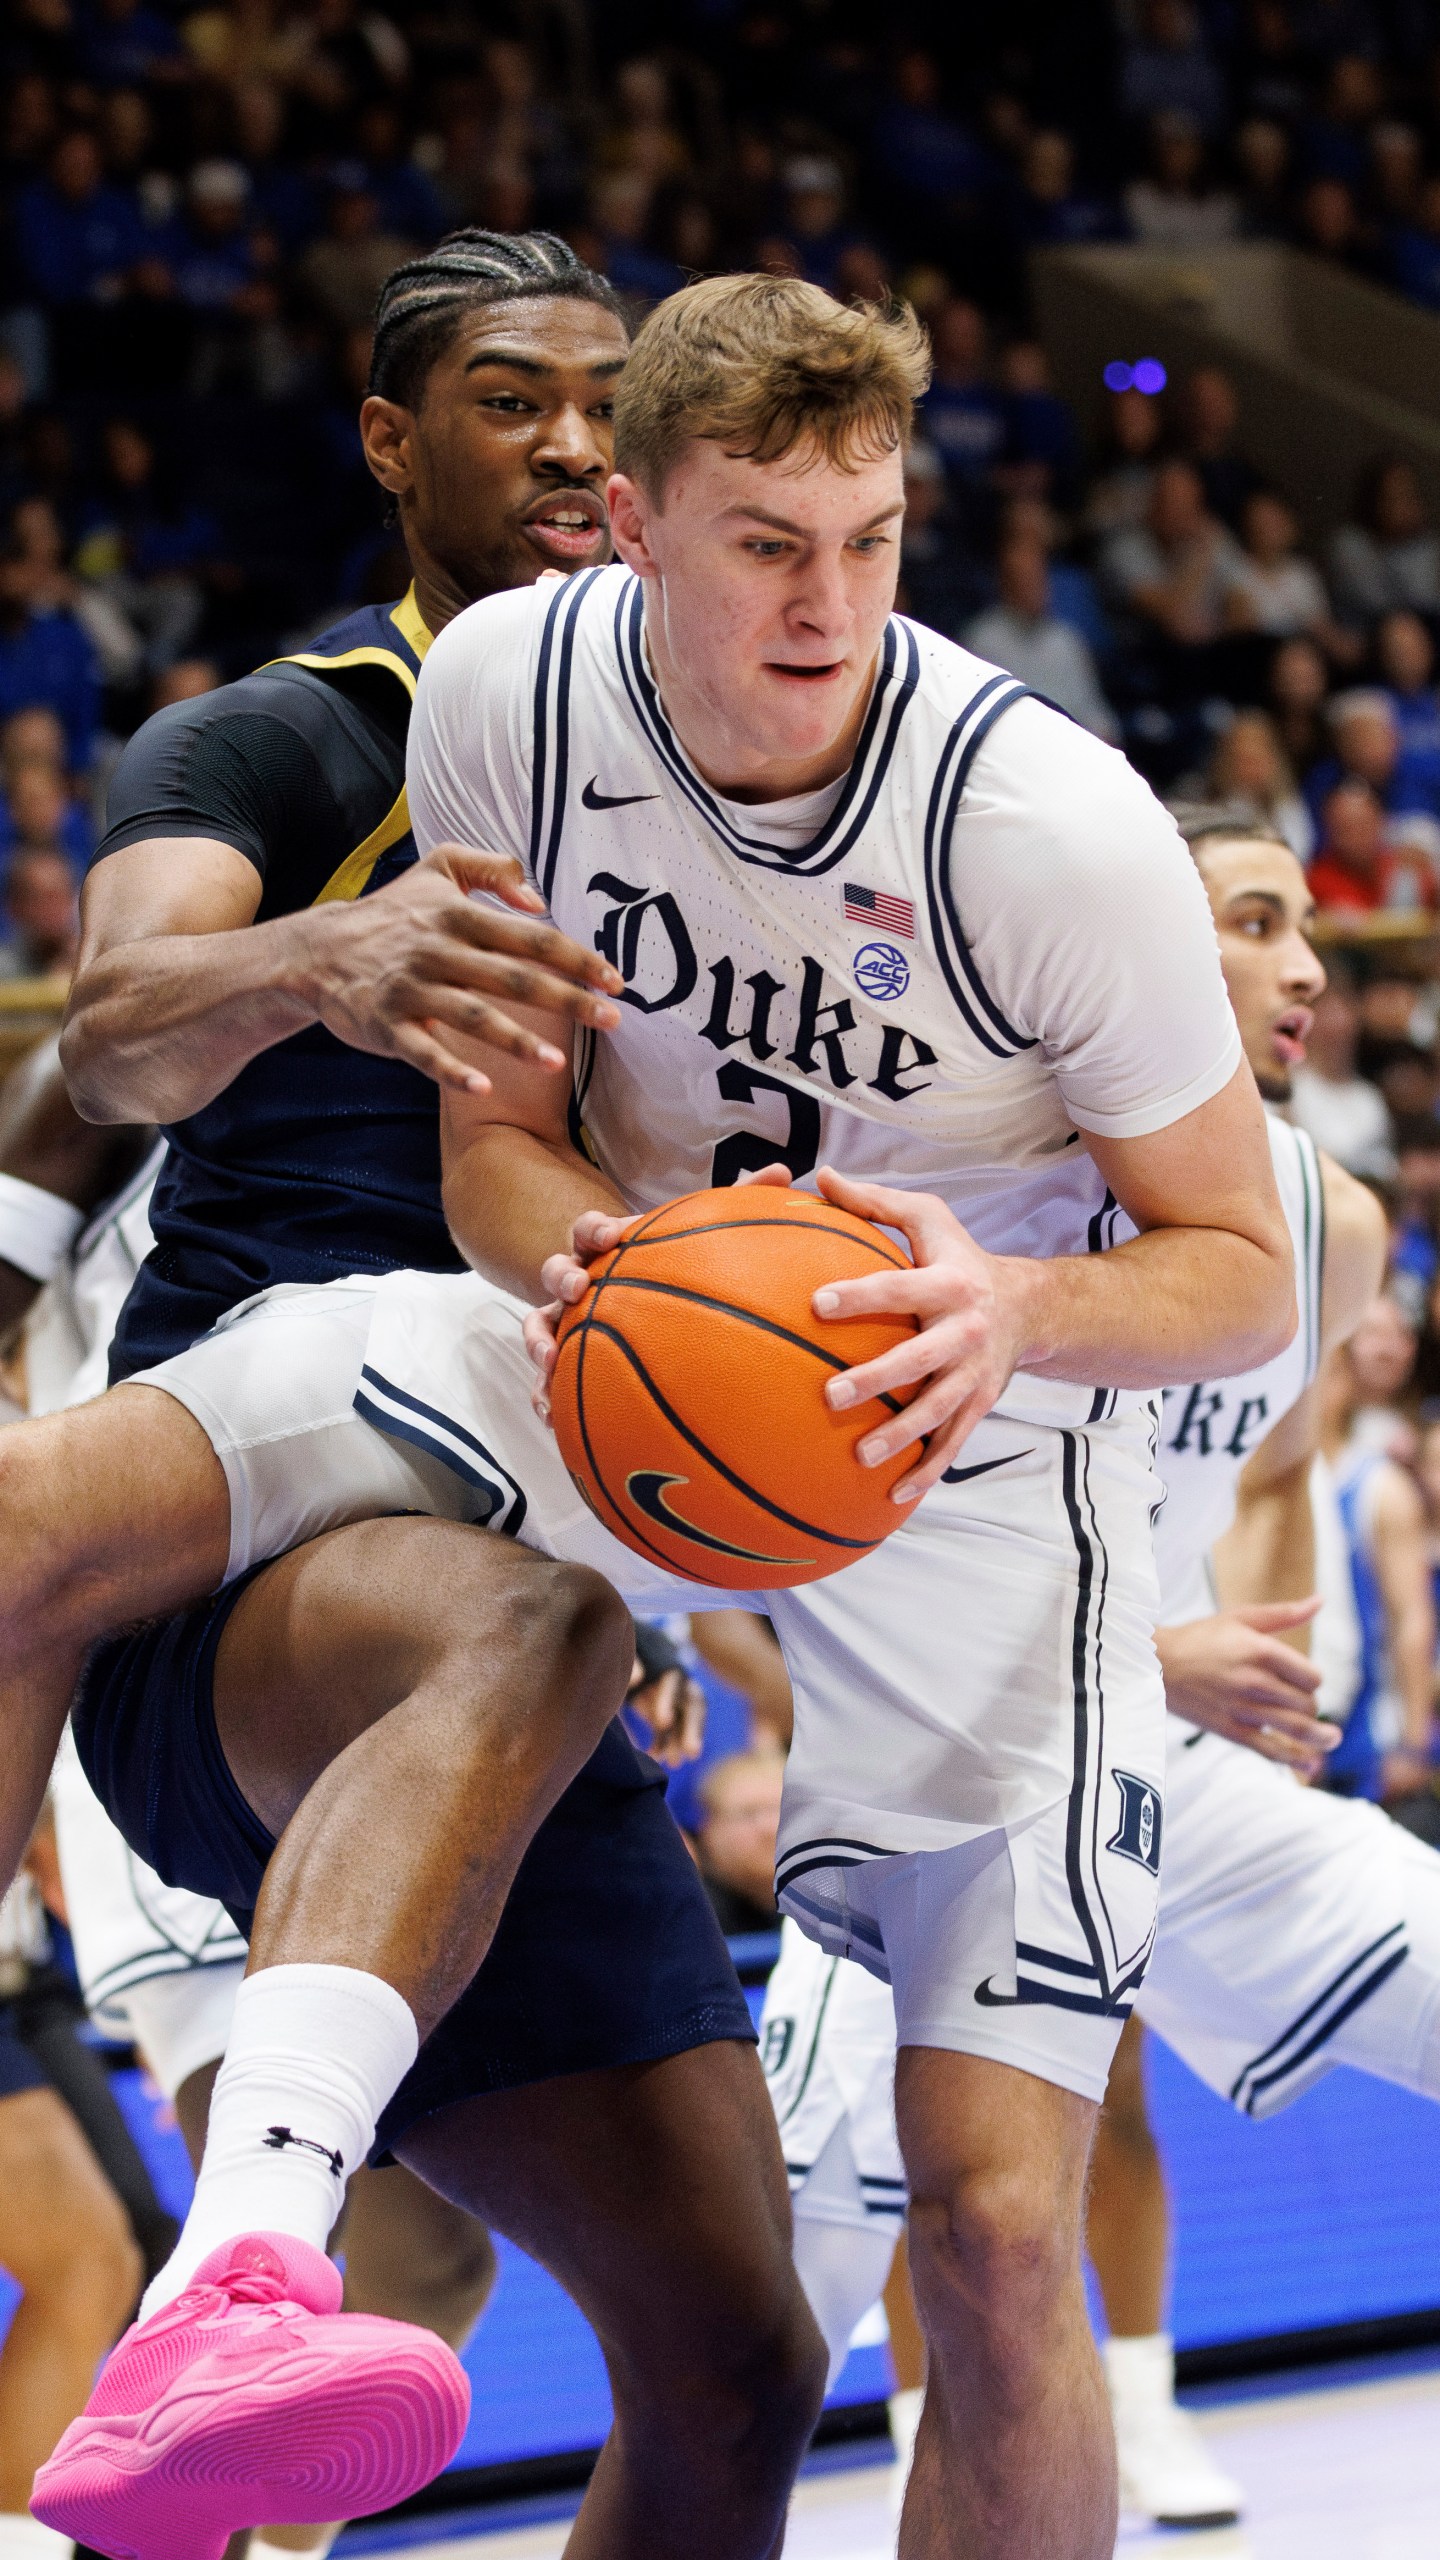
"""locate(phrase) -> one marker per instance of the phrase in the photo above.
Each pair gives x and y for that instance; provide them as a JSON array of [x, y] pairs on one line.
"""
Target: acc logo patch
[[775, 2046], [1141, 1817], [882, 971]]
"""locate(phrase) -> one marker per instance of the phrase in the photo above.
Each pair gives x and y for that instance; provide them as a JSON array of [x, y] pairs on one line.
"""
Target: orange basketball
[[688, 1396]]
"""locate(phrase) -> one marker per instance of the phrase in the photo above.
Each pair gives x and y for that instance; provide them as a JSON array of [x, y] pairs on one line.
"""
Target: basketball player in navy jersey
[[268, 971]]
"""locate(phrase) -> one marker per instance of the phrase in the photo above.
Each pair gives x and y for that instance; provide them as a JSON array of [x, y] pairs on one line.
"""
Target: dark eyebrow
[[782, 524], [514, 363]]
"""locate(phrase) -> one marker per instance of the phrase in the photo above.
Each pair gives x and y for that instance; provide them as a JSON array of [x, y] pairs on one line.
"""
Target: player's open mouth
[[567, 526], [806, 675], [1291, 1033]]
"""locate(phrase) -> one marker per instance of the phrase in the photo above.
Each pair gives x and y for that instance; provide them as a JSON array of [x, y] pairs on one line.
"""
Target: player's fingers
[[929, 1413], [1298, 1724], [940, 1346], [941, 1451], [921, 1218], [416, 1045], [1293, 1670], [923, 1294], [485, 928], [539, 1336], [490, 974], [1269, 1616], [778, 1176], [482, 1021], [557, 1271], [599, 1231], [499, 873]]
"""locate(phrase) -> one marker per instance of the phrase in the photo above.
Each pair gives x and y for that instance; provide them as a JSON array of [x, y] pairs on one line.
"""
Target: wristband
[[36, 1229]]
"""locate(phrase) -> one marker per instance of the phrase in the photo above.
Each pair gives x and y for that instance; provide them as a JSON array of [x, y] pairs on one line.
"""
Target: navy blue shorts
[[18, 2066], [607, 1952]]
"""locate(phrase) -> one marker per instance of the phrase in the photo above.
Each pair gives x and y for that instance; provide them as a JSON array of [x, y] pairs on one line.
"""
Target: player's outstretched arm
[[515, 1184], [172, 998], [1240, 1676]]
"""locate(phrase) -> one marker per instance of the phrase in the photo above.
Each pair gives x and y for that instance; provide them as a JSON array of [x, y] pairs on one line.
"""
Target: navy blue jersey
[[318, 1159]]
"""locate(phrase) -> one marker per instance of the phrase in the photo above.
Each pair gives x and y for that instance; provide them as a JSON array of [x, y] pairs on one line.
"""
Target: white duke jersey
[[987, 939], [1210, 1429]]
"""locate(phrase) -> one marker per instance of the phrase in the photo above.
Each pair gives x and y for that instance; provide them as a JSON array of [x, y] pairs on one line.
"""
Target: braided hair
[[422, 304]]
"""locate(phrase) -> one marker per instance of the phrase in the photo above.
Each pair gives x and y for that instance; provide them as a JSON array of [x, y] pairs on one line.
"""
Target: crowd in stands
[[198, 202]]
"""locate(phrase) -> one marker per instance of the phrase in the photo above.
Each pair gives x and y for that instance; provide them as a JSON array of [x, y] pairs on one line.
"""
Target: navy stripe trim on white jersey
[[161, 1964], [895, 684], [1116, 1972], [1316, 2025], [976, 1005], [1044, 1995], [1308, 1281], [826, 1851], [401, 1416], [550, 756]]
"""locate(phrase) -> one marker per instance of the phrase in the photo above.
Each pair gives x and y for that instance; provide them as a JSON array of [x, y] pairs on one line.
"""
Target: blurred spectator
[[939, 583], [1250, 768], [921, 146], [35, 787], [1406, 655], [1176, 569], [1388, 556], [343, 271], [49, 588], [1272, 590], [1262, 159], [1050, 210], [76, 237], [1330, 225], [46, 658], [185, 681], [620, 205], [815, 216], [962, 413], [1369, 748], [1342, 1110], [1166, 69], [740, 1800], [145, 548], [1023, 634], [1335, 137], [42, 916], [407, 198], [212, 253], [1414, 249], [1177, 205], [1042, 442], [127, 44], [1386, 1750], [1209, 430], [1120, 492], [1299, 682], [1397, 161], [1364, 863]]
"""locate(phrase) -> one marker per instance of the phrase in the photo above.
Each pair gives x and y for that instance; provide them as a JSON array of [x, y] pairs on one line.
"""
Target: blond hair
[[768, 366]]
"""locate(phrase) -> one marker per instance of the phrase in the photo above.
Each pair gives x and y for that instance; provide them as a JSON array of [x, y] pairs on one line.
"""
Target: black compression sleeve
[[232, 766]]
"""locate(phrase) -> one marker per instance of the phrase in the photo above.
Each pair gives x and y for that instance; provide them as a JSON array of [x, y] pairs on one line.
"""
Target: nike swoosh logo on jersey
[[961, 1475], [648, 1487], [593, 799]]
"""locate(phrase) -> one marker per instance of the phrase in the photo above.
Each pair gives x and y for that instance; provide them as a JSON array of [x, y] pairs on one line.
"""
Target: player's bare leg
[[404, 1701], [1166, 2469], [65, 2239], [1015, 2458], [116, 1511], [907, 2355], [657, 2195], [1127, 2222]]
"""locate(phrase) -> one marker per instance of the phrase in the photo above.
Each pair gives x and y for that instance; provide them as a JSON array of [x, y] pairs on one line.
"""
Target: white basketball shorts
[[983, 1682], [157, 1965]]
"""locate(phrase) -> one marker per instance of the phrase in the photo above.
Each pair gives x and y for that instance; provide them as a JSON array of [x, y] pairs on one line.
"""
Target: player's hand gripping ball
[[688, 1390]]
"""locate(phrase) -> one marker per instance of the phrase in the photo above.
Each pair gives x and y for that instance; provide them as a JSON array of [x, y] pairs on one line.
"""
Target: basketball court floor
[[1346, 2467]]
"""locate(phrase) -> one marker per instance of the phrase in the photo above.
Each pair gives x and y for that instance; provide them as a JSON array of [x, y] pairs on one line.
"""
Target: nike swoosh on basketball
[[593, 799], [959, 1475], [648, 1487]]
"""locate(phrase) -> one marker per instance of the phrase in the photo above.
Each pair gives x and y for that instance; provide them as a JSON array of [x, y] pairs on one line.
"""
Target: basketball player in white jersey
[[876, 907], [1296, 1931]]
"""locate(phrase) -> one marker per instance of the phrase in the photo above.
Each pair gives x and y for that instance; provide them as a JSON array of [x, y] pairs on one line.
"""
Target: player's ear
[[385, 433], [630, 514]]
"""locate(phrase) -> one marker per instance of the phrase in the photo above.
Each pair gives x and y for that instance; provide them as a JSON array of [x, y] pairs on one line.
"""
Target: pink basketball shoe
[[252, 2399]]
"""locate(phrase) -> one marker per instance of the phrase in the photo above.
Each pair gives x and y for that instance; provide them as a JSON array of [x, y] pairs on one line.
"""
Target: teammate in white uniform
[[717, 762], [1296, 1931]]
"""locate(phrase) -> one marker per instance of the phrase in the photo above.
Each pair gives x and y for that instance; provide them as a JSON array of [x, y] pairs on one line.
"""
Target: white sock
[[1141, 2370], [26, 2538], [315, 2052]]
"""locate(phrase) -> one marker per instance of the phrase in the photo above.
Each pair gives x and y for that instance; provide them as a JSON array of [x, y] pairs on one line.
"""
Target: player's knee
[[447, 2291], [570, 1638], [755, 2402], [997, 2248]]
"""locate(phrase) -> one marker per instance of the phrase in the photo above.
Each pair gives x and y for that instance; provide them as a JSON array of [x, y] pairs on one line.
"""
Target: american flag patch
[[877, 906]]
